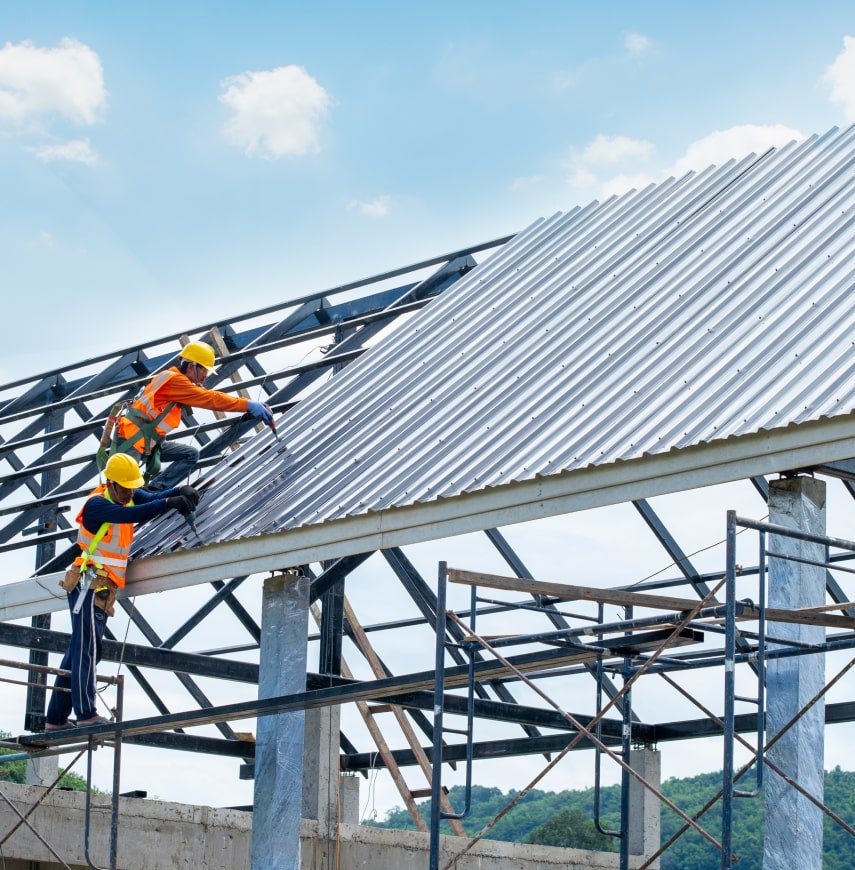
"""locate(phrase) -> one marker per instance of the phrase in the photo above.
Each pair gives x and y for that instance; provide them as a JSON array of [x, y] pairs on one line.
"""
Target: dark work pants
[[81, 658], [182, 459]]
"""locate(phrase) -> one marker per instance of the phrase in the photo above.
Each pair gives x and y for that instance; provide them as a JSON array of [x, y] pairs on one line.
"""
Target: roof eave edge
[[736, 458]]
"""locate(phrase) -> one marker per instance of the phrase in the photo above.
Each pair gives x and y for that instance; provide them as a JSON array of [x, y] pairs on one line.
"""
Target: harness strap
[[147, 430], [87, 553]]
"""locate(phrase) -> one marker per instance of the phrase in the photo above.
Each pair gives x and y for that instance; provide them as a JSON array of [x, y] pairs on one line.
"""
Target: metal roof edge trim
[[694, 467]]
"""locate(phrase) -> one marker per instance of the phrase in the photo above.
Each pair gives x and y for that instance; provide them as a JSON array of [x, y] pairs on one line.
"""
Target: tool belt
[[105, 588]]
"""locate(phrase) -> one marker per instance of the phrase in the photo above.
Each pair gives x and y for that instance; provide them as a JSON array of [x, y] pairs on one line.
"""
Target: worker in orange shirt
[[156, 411]]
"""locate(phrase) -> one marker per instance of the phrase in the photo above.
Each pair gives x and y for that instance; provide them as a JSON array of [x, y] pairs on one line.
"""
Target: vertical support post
[[320, 754], [332, 624], [320, 768], [279, 738], [644, 831], [117, 775], [626, 746], [598, 731], [729, 692], [793, 829], [438, 689], [41, 769]]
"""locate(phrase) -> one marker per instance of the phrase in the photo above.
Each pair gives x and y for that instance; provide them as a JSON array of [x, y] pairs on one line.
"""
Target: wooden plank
[[805, 617], [365, 647], [381, 744], [566, 592]]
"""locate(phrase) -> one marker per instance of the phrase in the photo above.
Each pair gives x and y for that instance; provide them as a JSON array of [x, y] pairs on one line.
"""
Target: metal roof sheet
[[709, 307]]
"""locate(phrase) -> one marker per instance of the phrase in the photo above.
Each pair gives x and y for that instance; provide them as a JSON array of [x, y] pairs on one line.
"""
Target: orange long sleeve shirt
[[181, 390]]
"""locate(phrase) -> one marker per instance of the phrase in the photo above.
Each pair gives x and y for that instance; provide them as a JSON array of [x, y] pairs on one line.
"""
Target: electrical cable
[[689, 556], [372, 782]]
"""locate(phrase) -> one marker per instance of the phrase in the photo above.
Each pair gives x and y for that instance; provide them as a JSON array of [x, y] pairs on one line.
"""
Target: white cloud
[[624, 182], [38, 83], [840, 78], [275, 113], [566, 79], [735, 142], [525, 182], [620, 155], [44, 240], [75, 151], [377, 207], [636, 44], [581, 177], [607, 150]]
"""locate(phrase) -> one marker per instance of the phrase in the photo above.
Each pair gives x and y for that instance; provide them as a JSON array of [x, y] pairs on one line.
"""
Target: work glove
[[190, 493], [101, 458], [260, 411], [180, 503]]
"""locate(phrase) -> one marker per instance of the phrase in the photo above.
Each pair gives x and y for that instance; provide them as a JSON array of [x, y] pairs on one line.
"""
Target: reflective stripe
[[114, 548], [100, 560], [146, 406]]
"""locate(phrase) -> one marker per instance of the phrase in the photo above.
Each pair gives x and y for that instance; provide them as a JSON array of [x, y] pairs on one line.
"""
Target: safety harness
[[92, 572], [147, 430], [86, 575]]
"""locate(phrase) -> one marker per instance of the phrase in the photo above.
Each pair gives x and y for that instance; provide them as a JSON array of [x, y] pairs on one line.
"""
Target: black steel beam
[[516, 565], [337, 571], [425, 599], [138, 655], [225, 590], [332, 626], [368, 690], [133, 654]]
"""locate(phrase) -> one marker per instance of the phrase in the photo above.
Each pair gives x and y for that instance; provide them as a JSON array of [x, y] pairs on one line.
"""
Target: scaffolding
[[79, 744], [633, 658]]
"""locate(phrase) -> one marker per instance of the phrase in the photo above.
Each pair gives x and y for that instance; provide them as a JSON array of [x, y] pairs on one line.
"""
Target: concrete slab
[[157, 835]]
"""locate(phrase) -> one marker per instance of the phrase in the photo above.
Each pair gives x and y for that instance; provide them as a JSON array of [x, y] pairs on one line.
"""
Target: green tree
[[571, 828], [524, 823], [16, 771]]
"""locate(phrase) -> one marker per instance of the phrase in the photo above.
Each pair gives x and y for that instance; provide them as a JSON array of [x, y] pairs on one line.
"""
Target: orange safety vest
[[111, 553], [149, 406]]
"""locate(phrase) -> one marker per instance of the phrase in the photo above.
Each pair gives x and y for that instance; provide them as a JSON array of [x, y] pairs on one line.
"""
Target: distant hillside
[[536, 820]]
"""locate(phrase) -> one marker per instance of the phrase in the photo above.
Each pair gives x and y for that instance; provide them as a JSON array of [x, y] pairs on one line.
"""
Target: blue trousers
[[182, 459], [81, 658]]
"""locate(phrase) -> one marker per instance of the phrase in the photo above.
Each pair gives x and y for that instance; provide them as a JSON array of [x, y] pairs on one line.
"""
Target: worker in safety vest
[[156, 412], [105, 536]]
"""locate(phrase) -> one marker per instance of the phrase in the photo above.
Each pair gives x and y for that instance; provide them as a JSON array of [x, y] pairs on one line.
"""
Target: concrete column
[[793, 829], [348, 790], [279, 738], [320, 769], [644, 808], [42, 771]]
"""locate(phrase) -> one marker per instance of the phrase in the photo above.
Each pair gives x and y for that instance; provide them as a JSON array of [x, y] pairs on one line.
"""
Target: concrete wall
[[155, 835]]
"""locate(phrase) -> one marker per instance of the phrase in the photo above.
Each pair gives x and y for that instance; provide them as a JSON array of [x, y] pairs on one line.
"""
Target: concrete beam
[[155, 835], [769, 452]]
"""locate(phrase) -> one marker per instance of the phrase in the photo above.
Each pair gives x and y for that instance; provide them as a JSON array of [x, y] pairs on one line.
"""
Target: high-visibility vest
[[112, 551], [149, 406]]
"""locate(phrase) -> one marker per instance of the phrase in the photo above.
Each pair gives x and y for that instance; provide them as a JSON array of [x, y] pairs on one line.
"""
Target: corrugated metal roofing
[[709, 307]]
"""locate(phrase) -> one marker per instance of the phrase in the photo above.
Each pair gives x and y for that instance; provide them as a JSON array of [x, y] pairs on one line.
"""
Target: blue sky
[[196, 160], [166, 164]]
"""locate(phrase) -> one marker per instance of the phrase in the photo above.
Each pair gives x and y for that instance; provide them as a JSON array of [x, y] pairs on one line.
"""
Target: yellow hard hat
[[200, 353], [123, 469]]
